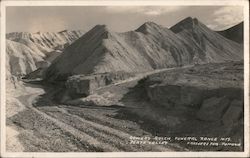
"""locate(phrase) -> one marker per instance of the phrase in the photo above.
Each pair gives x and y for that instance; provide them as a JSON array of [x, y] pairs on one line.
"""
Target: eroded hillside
[[149, 47]]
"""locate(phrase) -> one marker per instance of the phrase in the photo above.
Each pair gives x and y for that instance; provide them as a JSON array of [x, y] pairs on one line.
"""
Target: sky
[[117, 18]]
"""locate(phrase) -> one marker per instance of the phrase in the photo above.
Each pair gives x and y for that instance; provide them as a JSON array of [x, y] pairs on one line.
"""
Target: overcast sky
[[117, 18]]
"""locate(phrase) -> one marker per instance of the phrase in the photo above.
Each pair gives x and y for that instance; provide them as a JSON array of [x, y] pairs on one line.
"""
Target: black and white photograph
[[134, 77]]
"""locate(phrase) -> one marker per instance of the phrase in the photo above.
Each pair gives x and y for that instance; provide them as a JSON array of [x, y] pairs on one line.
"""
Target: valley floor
[[38, 124], [50, 127]]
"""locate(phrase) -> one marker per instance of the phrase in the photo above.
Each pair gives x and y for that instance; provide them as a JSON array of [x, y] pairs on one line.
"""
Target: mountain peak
[[187, 23], [63, 31], [149, 24], [99, 30], [148, 27], [149, 47]]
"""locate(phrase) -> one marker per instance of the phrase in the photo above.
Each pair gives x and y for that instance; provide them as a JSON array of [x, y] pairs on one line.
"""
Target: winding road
[[44, 126]]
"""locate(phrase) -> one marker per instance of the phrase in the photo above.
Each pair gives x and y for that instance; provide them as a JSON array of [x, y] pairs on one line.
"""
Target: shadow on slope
[[160, 120]]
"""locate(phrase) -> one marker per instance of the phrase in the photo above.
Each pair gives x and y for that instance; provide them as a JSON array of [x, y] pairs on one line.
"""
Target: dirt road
[[44, 126]]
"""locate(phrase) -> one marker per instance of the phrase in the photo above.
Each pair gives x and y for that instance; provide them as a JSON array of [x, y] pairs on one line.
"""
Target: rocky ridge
[[46, 41], [149, 47], [27, 52], [234, 33]]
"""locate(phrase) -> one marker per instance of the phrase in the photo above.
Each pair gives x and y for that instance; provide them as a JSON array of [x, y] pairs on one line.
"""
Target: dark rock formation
[[234, 33], [207, 100], [212, 109], [233, 113]]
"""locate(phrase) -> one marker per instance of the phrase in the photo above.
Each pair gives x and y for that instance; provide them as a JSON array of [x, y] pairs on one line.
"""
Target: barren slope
[[211, 46], [149, 47], [28, 51], [20, 59], [234, 33], [47, 41]]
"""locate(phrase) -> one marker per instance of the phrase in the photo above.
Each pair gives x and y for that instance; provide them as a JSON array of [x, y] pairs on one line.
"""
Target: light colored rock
[[13, 144], [20, 59], [28, 51], [45, 41]]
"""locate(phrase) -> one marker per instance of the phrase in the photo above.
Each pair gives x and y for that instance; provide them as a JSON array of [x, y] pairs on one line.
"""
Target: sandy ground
[[40, 125], [13, 107], [13, 142]]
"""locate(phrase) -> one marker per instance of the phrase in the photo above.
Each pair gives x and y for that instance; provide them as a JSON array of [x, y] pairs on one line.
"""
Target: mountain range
[[46, 41], [100, 50], [147, 48], [27, 51]]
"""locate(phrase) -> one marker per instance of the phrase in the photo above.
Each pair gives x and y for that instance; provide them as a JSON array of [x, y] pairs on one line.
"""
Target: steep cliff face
[[149, 47], [234, 33]]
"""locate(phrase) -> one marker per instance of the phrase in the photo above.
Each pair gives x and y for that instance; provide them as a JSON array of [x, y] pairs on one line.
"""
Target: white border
[[244, 3]]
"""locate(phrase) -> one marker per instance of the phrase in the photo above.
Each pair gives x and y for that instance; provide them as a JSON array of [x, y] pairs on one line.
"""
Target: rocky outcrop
[[208, 88], [207, 100], [91, 100], [191, 86], [149, 47], [81, 85], [174, 95]]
